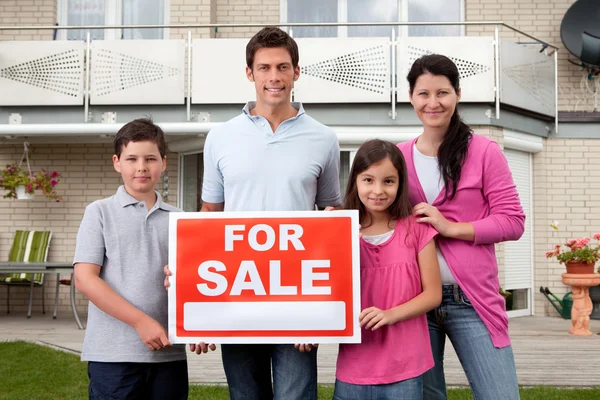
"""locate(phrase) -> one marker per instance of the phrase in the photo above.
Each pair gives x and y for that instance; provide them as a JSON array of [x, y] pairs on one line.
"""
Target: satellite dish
[[580, 31]]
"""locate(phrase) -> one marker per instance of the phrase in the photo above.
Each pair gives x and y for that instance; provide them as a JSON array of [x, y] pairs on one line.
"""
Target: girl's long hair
[[371, 152], [453, 150]]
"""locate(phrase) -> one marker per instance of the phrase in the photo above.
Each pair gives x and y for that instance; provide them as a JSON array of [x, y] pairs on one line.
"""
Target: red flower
[[53, 182], [54, 174]]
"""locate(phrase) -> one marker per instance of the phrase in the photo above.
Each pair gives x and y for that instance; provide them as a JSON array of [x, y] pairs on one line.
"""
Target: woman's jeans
[[409, 389], [491, 371]]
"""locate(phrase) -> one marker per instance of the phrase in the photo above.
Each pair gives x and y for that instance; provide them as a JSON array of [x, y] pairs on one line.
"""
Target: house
[[66, 96]]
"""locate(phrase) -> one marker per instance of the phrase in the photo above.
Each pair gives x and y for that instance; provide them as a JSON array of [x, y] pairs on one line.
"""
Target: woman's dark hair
[[453, 150], [371, 152]]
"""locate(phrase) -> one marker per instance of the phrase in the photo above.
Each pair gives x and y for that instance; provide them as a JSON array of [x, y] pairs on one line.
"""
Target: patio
[[545, 353]]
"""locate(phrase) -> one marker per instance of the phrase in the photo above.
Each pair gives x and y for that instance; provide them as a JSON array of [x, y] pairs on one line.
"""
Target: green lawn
[[29, 371]]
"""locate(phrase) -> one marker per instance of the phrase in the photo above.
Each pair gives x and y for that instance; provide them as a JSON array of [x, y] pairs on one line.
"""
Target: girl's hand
[[373, 318], [167, 272], [426, 213]]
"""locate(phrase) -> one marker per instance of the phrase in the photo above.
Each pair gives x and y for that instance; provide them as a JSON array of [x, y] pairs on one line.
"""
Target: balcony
[[339, 71]]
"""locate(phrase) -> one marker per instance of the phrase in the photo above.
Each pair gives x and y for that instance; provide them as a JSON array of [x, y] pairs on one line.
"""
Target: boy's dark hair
[[369, 153], [453, 150], [139, 130], [271, 37]]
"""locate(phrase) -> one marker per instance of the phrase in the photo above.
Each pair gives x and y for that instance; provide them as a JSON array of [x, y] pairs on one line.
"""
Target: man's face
[[273, 75]]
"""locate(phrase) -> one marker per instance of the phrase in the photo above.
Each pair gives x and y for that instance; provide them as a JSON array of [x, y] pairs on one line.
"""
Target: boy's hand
[[152, 333], [305, 348], [167, 272], [202, 347], [373, 318]]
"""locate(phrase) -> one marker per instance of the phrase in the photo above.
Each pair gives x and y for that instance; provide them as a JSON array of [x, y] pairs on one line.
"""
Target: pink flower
[[54, 174], [53, 182], [584, 241], [549, 254], [557, 248], [28, 188], [597, 236], [571, 242]]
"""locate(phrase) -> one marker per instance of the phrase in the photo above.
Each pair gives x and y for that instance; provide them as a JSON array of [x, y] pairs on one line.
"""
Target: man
[[272, 157]]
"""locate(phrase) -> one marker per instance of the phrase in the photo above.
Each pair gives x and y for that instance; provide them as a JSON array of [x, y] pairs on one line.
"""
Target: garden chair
[[28, 246]]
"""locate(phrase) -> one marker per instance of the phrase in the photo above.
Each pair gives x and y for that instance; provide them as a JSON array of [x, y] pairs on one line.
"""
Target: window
[[192, 171], [113, 12], [373, 11]]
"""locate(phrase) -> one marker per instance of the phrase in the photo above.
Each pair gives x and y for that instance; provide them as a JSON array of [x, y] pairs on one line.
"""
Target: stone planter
[[575, 267]]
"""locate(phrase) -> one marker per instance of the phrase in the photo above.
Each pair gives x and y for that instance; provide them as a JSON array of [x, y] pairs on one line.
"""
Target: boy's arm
[[88, 282]]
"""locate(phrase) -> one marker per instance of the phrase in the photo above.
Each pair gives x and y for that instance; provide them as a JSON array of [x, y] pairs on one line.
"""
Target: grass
[[29, 371]]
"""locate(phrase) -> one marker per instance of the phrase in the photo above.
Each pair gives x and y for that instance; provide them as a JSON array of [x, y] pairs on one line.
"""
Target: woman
[[460, 183]]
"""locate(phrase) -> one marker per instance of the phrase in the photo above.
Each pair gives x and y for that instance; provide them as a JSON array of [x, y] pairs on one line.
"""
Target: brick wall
[[245, 11], [87, 175], [566, 189], [192, 12], [27, 12]]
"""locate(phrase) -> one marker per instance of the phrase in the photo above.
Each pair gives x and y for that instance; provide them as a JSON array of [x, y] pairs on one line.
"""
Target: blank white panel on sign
[[219, 72], [138, 72], [42, 73], [291, 316], [350, 70], [473, 56]]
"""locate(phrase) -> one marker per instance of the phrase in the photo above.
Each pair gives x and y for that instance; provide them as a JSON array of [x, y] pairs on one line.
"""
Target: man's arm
[[212, 207]]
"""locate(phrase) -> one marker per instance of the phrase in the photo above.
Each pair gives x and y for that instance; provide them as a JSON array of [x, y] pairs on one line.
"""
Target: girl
[[400, 282], [460, 184]]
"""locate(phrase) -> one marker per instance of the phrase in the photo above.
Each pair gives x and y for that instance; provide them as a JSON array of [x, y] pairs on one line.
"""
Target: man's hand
[[202, 347], [152, 333], [305, 348]]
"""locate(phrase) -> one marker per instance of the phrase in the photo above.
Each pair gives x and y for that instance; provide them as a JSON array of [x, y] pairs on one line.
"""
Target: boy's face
[[273, 75], [140, 165]]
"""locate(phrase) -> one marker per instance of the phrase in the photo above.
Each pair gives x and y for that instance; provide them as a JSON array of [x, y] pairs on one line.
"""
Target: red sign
[[264, 277]]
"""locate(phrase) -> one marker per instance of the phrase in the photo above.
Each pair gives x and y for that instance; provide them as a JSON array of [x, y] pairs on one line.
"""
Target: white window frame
[[113, 15], [343, 15], [529, 144]]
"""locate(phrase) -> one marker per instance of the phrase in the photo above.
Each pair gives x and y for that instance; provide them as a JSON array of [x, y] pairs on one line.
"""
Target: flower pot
[[22, 194], [575, 267]]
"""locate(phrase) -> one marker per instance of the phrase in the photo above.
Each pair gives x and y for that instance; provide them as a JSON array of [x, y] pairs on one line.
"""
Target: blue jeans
[[409, 389], [133, 381], [490, 371], [248, 371]]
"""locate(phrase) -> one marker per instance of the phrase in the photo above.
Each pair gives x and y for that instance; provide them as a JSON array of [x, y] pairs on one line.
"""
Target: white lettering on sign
[[248, 278], [288, 233], [218, 279], [309, 276], [247, 268]]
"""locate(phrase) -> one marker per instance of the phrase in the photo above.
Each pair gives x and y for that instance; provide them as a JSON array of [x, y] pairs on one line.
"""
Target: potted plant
[[580, 257], [22, 184]]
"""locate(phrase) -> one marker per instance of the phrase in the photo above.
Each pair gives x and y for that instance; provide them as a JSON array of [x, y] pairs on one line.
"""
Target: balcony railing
[[211, 71]]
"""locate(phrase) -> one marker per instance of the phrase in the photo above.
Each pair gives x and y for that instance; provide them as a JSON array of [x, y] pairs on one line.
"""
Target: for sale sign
[[264, 277]]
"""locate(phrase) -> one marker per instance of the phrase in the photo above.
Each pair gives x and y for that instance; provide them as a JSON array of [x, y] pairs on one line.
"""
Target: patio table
[[7, 267]]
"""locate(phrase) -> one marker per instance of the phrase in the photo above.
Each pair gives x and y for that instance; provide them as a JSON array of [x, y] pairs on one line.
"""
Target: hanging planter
[[21, 184], [22, 194]]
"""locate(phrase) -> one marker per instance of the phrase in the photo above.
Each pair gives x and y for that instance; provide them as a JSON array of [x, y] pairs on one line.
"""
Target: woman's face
[[434, 100]]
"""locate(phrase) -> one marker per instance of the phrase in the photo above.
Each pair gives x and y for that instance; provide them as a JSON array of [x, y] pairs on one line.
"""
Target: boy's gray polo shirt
[[130, 244], [252, 168]]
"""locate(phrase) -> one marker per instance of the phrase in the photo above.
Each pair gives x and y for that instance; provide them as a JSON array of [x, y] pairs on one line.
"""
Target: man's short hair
[[271, 37]]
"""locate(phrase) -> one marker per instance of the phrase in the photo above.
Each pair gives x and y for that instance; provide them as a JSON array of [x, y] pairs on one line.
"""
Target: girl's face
[[378, 185], [434, 100]]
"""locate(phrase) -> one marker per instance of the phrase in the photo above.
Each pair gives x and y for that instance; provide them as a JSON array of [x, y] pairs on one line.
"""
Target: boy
[[122, 246]]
